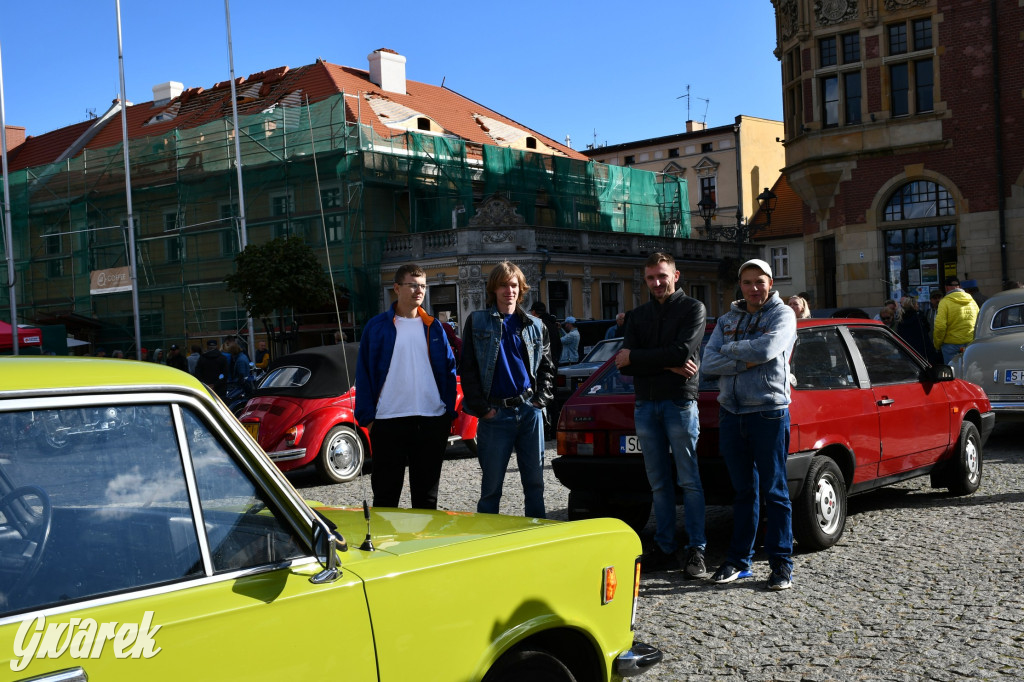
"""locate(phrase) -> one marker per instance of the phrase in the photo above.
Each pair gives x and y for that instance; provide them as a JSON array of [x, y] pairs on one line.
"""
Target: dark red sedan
[[303, 411], [867, 411]]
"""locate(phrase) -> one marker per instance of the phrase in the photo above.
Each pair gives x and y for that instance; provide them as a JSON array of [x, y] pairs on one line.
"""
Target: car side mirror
[[326, 542], [936, 373]]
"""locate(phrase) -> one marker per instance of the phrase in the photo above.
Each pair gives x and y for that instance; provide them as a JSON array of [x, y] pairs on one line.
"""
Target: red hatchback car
[[867, 411], [303, 411]]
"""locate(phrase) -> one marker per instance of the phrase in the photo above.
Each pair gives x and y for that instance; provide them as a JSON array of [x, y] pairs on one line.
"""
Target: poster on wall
[[896, 286], [930, 272]]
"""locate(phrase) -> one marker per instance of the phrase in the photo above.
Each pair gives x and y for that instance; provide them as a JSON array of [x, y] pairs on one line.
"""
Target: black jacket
[[660, 335], [212, 370]]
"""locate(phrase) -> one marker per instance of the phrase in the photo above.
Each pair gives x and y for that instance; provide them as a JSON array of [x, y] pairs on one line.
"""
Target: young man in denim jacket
[[749, 352], [507, 380]]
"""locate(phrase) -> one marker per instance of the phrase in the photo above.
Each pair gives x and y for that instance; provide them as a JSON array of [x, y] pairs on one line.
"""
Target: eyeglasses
[[414, 286]]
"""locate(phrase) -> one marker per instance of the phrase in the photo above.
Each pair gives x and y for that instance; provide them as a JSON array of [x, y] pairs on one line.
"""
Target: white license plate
[[630, 445], [1014, 376]]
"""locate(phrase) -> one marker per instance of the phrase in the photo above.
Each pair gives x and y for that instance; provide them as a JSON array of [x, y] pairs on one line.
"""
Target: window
[[898, 39], [820, 361], [151, 322], [851, 48], [827, 51], [531, 142], [629, 160], [331, 200], [558, 299], [707, 147], [673, 153], [423, 123], [53, 243], [923, 79], [55, 268], [911, 82], [921, 249], [707, 188], [780, 261], [899, 89], [610, 306], [851, 88], [922, 34], [172, 243], [1012, 316], [229, 236], [886, 361], [281, 206], [699, 292], [830, 101]]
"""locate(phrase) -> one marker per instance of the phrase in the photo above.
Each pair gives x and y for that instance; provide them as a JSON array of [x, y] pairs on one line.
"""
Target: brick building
[[903, 140]]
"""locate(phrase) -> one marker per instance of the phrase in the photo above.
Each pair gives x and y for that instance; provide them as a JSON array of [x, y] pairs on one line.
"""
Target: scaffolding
[[69, 218]]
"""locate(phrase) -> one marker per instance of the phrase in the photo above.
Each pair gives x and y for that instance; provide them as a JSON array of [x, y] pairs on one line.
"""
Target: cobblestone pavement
[[922, 585]]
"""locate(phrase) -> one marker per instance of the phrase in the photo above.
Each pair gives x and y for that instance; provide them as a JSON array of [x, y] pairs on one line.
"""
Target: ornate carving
[[832, 12], [893, 5], [787, 18], [497, 236], [496, 211]]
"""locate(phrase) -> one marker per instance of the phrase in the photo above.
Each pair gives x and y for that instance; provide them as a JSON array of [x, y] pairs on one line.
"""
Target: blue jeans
[[520, 427], [754, 447], [659, 424], [950, 350]]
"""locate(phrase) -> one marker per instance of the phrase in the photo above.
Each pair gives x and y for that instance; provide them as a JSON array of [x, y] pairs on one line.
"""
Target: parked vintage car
[[154, 540], [304, 411], [995, 359], [867, 411], [571, 376]]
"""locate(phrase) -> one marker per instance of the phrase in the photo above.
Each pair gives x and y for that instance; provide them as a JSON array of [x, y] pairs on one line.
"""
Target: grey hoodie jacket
[[765, 338]]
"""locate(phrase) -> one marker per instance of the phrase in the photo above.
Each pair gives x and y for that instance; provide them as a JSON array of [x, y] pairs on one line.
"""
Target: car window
[[1012, 316], [887, 362], [286, 377], [92, 501], [603, 351], [610, 382], [820, 360], [241, 528]]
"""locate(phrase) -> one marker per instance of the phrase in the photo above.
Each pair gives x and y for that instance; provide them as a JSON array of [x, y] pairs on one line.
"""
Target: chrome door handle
[[885, 401]]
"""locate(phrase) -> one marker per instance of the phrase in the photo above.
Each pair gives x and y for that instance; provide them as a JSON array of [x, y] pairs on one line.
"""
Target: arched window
[[919, 232]]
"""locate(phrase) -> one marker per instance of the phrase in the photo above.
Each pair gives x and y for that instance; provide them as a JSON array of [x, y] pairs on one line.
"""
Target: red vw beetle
[[303, 411], [867, 411]]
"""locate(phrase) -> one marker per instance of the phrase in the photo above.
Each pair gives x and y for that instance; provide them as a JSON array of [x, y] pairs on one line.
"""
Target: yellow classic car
[[144, 535]]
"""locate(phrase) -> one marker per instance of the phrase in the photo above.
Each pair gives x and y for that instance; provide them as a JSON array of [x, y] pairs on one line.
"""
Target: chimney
[[693, 126], [387, 70], [165, 92], [15, 136]]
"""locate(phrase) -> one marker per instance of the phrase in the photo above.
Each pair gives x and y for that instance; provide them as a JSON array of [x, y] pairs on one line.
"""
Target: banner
[[110, 281]]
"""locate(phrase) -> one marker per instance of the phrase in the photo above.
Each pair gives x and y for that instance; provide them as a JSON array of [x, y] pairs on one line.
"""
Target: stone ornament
[[496, 211], [831, 12]]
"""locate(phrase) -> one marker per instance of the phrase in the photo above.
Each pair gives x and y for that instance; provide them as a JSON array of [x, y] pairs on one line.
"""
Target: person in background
[[262, 357], [913, 328], [118, 354], [749, 352], [893, 318], [212, 369], [158, 356], [144, 355], [193, 358], [660, 351], [238, 365], [175, 359], [540, 311], [954, 320], [971, 287], [800, 307], [405, 394], [570, 343], [508, 379], [101, 353], [617, 330], [1012, 284], [933, 299]]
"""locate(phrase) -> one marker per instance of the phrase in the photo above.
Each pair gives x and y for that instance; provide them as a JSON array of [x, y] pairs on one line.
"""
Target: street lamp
[[741, 231]]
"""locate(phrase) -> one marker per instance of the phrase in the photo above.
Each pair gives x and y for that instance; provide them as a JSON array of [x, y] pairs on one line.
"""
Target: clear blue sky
[[561, 68]]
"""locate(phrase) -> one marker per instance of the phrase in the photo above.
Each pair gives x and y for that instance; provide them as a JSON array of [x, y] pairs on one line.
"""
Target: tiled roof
[[280, 86], [788, 216]]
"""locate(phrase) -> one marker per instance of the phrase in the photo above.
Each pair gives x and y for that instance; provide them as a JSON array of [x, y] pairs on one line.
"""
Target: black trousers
[[418, 443]]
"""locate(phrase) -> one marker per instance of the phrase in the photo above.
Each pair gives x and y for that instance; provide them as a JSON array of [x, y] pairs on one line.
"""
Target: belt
[[515, 401]]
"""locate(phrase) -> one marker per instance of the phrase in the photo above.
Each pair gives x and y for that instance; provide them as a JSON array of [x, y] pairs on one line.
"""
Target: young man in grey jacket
[[749, 352]]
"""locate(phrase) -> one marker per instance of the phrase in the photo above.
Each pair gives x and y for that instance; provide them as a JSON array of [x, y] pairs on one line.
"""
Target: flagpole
[[243, 237], [128, 191], [8, 230]]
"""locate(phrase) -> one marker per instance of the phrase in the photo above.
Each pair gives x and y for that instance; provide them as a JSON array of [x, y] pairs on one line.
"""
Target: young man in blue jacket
[[749, 352], [405, 394]]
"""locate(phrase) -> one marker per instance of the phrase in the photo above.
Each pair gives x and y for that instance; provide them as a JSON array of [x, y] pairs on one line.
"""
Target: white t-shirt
[[409, 389]]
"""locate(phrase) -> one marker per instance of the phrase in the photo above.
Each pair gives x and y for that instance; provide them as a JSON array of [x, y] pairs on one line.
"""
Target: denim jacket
[[764, 338], [481, 339]]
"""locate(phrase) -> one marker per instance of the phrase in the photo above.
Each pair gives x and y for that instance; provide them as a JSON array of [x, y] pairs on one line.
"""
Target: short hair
[[503, 272], [409, 269], [1011, 284], [538, 307], [660, 257]]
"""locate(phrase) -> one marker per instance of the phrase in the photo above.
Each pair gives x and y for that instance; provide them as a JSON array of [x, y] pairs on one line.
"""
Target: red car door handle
[[885, 401]]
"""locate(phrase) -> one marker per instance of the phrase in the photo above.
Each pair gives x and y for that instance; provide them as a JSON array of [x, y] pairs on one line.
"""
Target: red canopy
[[27, 336]]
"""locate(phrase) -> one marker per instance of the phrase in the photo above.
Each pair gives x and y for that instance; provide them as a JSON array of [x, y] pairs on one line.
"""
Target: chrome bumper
[[637, 660], [287, 455]]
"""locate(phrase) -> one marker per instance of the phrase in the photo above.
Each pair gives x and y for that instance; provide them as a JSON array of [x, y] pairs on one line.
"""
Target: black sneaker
[[781, 578], [726, 573], [655, 559], [694, 566]]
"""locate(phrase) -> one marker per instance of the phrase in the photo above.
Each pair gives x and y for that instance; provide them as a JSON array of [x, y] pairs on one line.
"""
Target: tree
[[280, 274]]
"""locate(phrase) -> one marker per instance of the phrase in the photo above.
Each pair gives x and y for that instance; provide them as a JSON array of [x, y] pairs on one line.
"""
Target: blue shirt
[[510, 375]]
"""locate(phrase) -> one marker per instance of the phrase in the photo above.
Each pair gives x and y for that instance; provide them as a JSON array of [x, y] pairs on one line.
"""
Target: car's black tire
[[592, 505], [963, 473], [819, 513], [529, 664], [341, 455]]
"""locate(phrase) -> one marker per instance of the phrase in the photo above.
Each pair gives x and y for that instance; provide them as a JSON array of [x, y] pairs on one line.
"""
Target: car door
[[913, 416], [123, 586]]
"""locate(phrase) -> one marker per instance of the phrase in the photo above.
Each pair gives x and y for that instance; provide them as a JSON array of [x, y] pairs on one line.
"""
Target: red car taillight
[[560, 381], [293, 435], [575, 443]]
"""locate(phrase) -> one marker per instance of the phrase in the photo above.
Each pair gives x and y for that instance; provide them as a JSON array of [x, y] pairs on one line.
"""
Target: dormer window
[[423, 123], [531, 142]]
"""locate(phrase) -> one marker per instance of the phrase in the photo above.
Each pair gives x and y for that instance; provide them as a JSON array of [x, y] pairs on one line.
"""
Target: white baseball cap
[[570, 320], [756, 263]]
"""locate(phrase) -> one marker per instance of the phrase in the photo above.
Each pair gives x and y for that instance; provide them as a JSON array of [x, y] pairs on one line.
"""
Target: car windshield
[[286, 377], [604, 351]]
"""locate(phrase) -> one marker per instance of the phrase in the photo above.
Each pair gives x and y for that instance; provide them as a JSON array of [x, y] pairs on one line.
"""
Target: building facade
[[903, 140]]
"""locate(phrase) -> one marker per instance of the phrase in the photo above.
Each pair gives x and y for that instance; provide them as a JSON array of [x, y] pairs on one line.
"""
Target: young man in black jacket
[[660, 351]]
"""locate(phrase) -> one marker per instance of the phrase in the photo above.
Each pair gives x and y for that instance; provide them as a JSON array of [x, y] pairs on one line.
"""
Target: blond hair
[[503, 272]]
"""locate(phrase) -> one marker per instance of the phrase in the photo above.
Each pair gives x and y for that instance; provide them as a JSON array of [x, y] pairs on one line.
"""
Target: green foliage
[[280, 274]]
